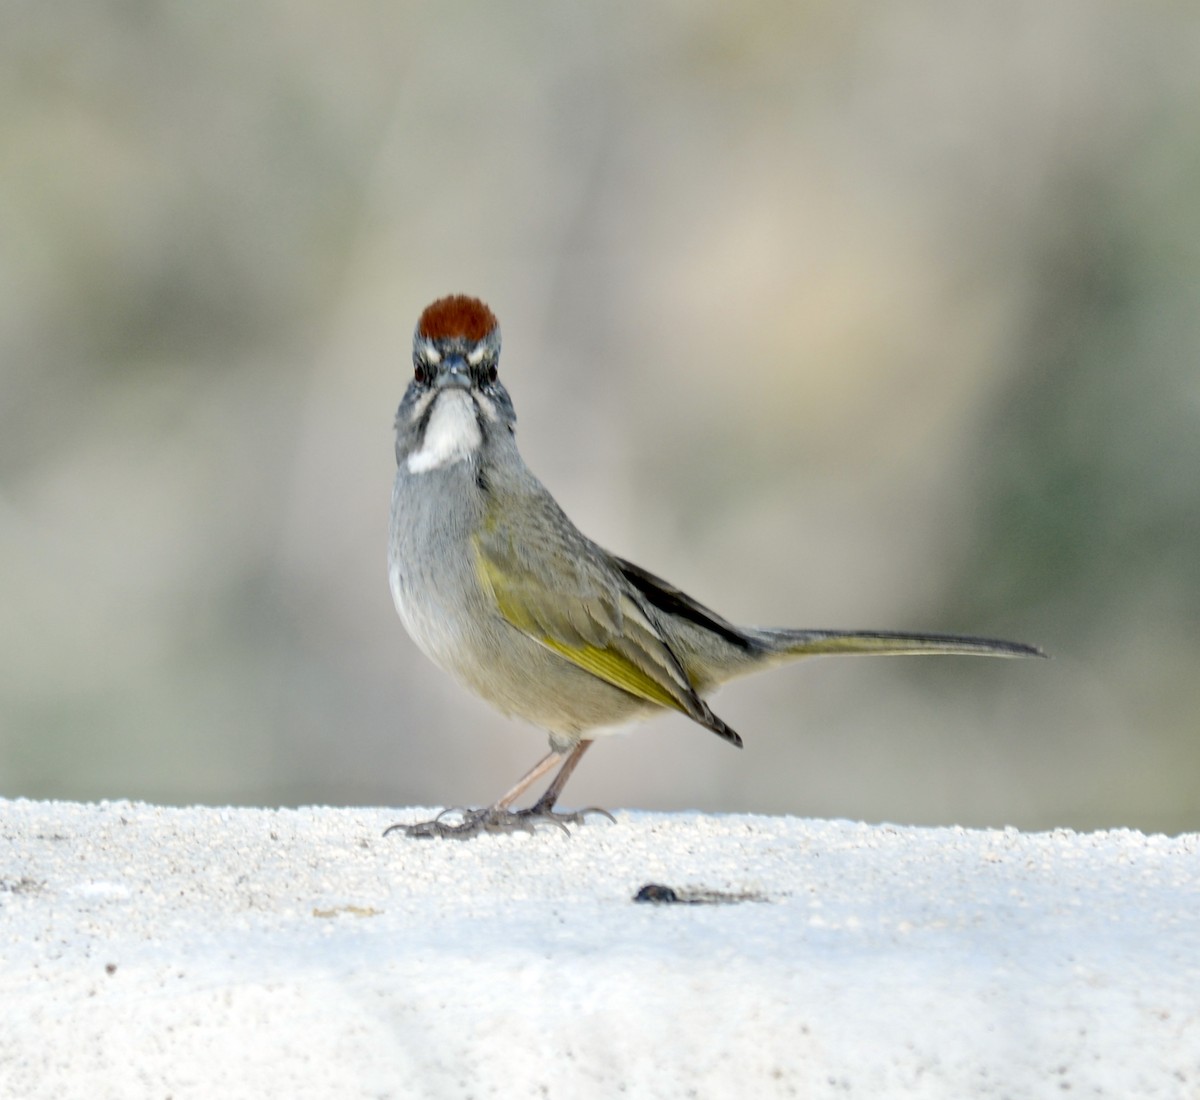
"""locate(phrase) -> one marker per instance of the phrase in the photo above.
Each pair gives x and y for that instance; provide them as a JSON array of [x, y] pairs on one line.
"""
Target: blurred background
[[836, 316]]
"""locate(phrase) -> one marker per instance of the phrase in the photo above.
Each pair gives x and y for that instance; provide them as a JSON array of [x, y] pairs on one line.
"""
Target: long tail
[[813, 643]]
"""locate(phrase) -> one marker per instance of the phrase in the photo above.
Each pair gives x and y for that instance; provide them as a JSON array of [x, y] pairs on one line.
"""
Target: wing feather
[[587, 612]]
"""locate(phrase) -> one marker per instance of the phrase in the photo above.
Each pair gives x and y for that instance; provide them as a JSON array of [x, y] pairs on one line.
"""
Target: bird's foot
[[493, 819], [538, 813], [471, 823]]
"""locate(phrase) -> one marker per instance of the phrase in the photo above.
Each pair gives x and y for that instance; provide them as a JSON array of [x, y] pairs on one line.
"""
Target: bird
[[499, 588]]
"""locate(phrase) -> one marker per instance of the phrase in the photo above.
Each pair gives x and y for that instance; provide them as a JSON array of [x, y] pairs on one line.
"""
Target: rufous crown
[[456, 316]]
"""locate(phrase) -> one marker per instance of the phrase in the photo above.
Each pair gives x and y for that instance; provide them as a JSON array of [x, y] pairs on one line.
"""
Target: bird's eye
[[491, 372], [421, 371]]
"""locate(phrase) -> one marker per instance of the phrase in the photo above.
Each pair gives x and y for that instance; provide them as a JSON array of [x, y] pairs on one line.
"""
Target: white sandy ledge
[[159, 952]]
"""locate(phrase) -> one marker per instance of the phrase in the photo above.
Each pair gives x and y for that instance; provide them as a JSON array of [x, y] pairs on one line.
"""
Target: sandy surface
[[160, 952]]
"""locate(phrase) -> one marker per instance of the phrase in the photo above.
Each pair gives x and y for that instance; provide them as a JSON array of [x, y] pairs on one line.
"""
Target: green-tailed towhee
[[502, 590]]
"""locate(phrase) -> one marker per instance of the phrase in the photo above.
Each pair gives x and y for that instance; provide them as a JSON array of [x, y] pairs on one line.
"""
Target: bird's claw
[[471, 823], [492, 819], [539, 814]]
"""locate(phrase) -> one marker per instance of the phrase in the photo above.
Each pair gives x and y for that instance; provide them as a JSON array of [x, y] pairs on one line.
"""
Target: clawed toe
[[491, 819], [471, 823], [562, 819]]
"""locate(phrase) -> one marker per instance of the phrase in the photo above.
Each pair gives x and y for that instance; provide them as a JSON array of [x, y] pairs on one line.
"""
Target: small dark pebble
[[656, 892]]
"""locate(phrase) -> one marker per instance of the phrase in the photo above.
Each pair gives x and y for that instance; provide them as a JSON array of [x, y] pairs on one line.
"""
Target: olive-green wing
[[564, 592]]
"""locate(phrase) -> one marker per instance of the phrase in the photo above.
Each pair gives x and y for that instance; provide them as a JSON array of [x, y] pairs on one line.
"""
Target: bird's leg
[[499, 818], [543, 808]]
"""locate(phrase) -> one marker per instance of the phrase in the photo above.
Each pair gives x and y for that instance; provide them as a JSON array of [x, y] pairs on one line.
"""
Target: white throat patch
[[451, 434]]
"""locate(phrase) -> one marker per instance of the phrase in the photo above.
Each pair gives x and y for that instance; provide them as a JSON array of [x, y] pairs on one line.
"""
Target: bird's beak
[[453, 373]]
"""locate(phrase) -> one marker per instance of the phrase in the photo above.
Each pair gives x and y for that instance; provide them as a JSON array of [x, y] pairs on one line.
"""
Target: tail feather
[[813, 643]]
